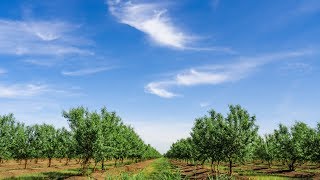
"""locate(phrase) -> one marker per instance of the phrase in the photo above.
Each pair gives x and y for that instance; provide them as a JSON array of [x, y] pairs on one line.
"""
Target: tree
[[265, 149], [292, 145], [65, 145], [238, 132], [22, 143], [206, 135], [314, 146], [48, 135], [7, 123], [85, 126]]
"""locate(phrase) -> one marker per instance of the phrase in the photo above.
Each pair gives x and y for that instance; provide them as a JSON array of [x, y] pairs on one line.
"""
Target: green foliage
[[102, 136], [6, 130], [92, 136], [219, 139], [265, 149], [293, 146]]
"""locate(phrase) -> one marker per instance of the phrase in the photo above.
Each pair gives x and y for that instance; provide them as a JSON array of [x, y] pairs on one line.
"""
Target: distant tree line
[[93, 136], [235, 138]]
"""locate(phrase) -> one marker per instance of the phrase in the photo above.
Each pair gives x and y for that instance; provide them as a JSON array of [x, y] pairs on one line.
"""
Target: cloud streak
[[216, 74], [53, 38], [27, 90], [2, 71], [88, 71], [22, 90], [154, 20]]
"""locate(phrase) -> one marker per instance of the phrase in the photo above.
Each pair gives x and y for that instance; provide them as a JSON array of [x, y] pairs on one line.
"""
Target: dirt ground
[[250, 171], [13, 168]]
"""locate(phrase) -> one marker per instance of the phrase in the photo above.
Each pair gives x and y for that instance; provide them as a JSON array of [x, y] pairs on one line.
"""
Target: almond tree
[[7, 123], [238, 133], [85, 126], [292, 145], [50, 142], [265, 149], [22, 143]]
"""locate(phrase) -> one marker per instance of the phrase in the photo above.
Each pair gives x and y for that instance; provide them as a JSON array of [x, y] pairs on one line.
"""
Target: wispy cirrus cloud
[[53, 38], [87, 71], [153, 19], [2, 71], [22, 90], [217, 74], [42, 62], [204, 104], [27, 90]]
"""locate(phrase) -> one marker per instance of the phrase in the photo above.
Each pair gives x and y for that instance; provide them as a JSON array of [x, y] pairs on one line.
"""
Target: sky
[[160, 64]]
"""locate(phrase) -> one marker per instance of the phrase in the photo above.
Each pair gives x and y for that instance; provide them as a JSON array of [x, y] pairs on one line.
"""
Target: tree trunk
[[25, 163], [85, 166], [291, 165], [212, 165], [36, 161], [102, 164], [95, 165], [49, 165], [230, 167], [202, 163], [67, 162]]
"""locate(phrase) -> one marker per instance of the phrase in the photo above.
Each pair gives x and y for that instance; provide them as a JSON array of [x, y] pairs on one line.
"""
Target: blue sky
[[160, 64]]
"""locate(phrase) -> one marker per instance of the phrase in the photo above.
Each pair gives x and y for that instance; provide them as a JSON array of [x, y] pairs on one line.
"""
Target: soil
[[204, 172], [13, 169]]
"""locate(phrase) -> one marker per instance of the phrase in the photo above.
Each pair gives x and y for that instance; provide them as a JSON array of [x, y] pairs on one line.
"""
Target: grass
[[160, 169]]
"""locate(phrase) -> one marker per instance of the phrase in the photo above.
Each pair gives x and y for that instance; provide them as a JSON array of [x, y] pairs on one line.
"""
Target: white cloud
[[299, 67], [2, 71], [159, 89], [22, 90], [154, 20], [82, 72], [217, 74], [41, 62], [39, 38], [26, 90], [151, 19], [204, 104]]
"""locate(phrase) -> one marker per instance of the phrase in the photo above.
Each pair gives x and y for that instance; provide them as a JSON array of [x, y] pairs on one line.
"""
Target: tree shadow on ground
[[47, 175]]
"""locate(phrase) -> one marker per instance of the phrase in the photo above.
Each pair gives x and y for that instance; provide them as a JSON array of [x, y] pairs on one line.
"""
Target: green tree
[[292, 146], [85, 126], [22, 143], [206, 135], [7, 123], [238, 133], [49, 140], [265, 149]]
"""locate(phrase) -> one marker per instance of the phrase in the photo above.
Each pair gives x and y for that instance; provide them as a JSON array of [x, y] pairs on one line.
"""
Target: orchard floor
[[249, 171], [58, 170]]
